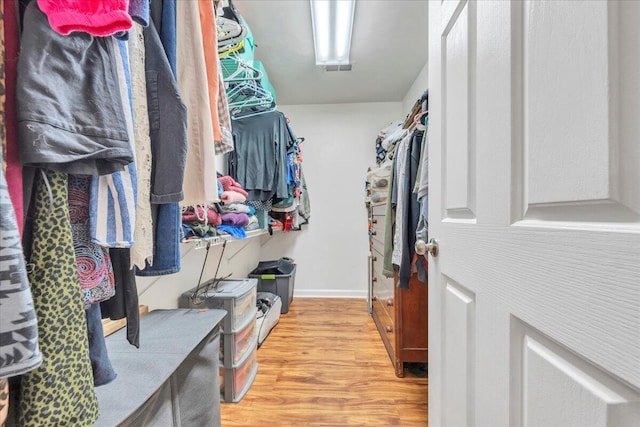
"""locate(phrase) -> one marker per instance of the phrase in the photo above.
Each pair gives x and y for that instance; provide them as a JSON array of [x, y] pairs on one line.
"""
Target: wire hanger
[[202, 289]]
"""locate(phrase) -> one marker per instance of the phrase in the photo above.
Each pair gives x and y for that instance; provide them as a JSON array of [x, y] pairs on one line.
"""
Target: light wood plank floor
[[325, 365]]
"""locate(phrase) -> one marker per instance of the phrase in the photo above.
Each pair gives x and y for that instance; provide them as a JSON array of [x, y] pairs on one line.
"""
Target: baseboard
[[329, 293]]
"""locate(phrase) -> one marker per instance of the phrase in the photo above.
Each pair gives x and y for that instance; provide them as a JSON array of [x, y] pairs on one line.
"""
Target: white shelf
[[203, 242]]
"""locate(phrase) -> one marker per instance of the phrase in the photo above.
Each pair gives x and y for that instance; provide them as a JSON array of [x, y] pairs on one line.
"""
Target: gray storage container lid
[[282, 266], [229, 288]]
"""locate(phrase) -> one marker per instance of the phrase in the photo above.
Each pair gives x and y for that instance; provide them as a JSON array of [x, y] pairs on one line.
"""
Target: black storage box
[[277, 277]]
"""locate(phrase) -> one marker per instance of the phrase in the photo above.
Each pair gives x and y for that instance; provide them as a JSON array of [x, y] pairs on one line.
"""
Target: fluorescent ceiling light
[[332, 25]]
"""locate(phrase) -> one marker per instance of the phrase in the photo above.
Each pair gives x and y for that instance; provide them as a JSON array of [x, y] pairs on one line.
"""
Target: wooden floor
[[325, 365]]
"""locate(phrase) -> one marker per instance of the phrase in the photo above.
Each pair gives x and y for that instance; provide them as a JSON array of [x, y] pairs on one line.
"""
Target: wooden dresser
[[399, 314]]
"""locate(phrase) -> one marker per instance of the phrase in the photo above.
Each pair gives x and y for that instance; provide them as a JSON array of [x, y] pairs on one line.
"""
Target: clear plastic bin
[[237, 380], [236, 296], [234, 346]]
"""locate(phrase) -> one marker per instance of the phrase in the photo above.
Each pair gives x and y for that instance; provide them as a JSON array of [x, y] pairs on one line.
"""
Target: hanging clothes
[[389, 225], [100, 18], [304, 208], [3, 142], [74, 131], [19, 351], [12, 162], [95, 270], [168, 123], [113, 197], [259, 162], [398, 195], [124, 304], [103, 372], [422, 181], [4, 400], [212, 62], [410, 209], [142, 250], [200, 173], [62, 325], [163, 17], [422, 233], [224, 117], [139, 11]]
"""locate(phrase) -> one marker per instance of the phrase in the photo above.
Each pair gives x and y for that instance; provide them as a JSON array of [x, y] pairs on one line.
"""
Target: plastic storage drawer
[[236, 381], [236, 296], [279, 284], [233, 346]]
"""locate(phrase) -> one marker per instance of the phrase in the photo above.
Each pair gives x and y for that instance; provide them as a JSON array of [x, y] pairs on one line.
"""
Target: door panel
[[544, 370], [459, 348], [573, 149], [567, 155], [534, 304], [457, 58]]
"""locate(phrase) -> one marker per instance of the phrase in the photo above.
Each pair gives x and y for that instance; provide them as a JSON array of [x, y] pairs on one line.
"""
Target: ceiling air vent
[[346, 67]]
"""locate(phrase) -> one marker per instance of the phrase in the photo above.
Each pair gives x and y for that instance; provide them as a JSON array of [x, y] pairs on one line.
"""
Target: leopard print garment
[[60, 392], [4, 401]]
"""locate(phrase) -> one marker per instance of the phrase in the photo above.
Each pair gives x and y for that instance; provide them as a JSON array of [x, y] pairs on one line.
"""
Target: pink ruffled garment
[[229, 184], [96, 17]]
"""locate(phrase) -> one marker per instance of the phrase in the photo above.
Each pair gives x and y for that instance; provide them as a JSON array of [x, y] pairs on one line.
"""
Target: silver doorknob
[[422, 247]]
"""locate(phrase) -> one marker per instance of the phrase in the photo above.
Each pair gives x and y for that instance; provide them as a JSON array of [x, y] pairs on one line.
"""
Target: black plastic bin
[[277, 277]]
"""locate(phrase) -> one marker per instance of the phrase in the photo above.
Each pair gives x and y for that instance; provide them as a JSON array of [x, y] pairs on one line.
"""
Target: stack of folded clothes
[[200, 221], [237, 217], [232, 216]]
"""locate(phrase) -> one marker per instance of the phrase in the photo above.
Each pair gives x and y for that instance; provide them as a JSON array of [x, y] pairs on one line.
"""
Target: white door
[[534, 144]]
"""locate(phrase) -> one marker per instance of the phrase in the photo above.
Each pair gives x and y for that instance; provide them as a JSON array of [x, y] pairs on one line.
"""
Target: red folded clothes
[[210, 217]]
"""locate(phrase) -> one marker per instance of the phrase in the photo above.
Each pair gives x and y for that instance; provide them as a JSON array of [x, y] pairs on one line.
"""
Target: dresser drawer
[[386, 328], [384, 290], [379, 210], [377, 250], [378, 263], [378, 228]]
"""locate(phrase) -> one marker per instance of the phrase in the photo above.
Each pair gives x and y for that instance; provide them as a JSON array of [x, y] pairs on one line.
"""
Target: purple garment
[[233, 218], [139, 11]]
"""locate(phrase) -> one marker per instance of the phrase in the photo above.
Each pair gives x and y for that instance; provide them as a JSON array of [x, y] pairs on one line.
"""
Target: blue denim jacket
[[167, 123], [167, 117]]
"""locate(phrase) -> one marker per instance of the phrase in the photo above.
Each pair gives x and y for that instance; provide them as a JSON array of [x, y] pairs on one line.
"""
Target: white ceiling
[[388, 50]]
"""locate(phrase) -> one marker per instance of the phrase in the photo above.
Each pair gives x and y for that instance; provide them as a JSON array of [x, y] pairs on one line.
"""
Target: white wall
[[421, 83], [331, 252], [240, 257], [416, 90]]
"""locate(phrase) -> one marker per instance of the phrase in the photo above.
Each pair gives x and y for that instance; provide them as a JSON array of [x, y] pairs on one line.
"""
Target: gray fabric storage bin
[[172, 379]]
